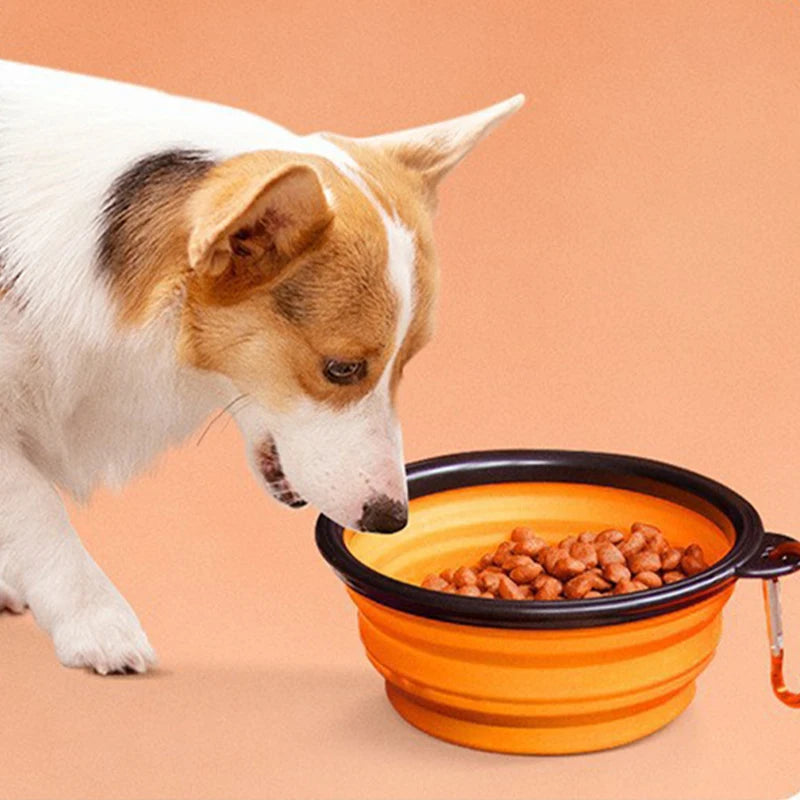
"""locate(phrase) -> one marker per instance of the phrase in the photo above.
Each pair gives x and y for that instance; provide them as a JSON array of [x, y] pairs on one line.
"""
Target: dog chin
[[269, 465]]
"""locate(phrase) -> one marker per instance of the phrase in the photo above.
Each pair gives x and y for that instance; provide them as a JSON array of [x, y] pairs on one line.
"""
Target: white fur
[[82, 403]]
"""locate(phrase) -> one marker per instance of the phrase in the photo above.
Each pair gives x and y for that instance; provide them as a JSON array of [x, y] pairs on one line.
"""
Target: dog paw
[[106, 639], [10, 599]]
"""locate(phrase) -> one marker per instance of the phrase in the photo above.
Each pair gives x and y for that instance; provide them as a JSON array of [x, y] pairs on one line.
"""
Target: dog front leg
[[44, 565]]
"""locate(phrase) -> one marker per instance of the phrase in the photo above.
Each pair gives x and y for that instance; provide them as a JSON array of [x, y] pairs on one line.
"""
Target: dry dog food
[[525, 567]]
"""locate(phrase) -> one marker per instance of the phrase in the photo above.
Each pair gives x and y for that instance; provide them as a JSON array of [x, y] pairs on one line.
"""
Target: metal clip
[[772, 606]]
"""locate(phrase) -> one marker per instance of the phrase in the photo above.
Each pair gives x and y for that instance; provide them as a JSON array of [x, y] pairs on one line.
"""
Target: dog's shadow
[[304, 707]]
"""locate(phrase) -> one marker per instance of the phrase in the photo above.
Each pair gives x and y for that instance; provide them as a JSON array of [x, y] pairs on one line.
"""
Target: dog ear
[[248, 225], [433, 150]]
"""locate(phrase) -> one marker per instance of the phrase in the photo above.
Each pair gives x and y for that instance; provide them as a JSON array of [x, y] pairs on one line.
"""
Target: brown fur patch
[[334, 301]]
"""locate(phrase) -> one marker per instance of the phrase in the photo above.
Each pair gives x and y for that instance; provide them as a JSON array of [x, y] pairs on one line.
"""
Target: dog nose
[[383, 515]]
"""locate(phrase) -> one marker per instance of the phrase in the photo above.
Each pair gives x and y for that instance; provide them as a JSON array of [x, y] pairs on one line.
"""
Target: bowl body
[[540, 691], [536, 677]]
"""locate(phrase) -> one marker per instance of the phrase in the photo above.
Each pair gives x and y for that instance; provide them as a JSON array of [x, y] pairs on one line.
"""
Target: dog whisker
[[233, 412], [219, 414]]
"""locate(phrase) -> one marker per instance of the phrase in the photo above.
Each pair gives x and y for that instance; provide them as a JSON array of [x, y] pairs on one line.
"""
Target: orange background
[[620, 269]]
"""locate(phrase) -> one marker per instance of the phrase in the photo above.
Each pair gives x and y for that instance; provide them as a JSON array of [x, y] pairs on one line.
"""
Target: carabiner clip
[[772, 606]]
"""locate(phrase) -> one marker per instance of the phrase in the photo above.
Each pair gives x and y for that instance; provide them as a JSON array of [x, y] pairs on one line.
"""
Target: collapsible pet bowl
[[559, 676]]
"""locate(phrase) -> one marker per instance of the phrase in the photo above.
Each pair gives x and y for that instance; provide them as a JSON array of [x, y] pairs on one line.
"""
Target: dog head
[[312, 283]]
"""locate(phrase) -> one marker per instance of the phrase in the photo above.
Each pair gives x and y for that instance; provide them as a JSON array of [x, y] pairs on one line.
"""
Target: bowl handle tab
[[779, 555]]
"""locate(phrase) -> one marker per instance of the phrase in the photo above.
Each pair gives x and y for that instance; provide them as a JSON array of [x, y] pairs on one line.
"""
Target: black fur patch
[[168, 166]]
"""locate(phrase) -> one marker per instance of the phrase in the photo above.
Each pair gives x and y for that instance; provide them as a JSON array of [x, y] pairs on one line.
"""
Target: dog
[[163, 257]]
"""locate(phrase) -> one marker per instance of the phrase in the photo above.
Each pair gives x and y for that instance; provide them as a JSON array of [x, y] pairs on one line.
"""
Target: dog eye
[[344, 372]]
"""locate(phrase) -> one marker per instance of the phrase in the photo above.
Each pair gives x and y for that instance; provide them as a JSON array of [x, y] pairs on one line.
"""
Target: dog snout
[[383, 515]]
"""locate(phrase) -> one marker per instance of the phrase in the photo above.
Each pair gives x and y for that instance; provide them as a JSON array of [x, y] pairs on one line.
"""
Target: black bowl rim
[[459, 470]]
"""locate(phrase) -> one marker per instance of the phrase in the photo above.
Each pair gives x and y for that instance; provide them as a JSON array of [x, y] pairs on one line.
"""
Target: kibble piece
[[616, 572], [494, 568], [627, 587], [526, 573], [550, 556], [579, 586], [568, 542], [549, 590], [695, 551], [598, 582], [610, 535], [449, 589], [540, 580], [644, 528], [509, 590], [671, 557], [434, 582], [469, 591], [585, 552], [503, 551], [592, 594], [530, 547], [448, 575], [567, 568], [486, 560], [633, 544], [587, 537], [644, 561], [487, 595], [489, 581], [672, 576], [609, 554], [691, 565], [516, 561], [521, 533], [464, 576], [657, 543], [650, 579]]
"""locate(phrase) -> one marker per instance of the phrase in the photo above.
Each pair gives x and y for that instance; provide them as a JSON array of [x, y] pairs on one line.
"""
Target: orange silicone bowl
[[545, 677]]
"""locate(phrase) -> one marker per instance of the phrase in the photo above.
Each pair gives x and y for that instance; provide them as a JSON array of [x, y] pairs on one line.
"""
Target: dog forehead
[[371, 284], [346, 275], [407, 215]]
